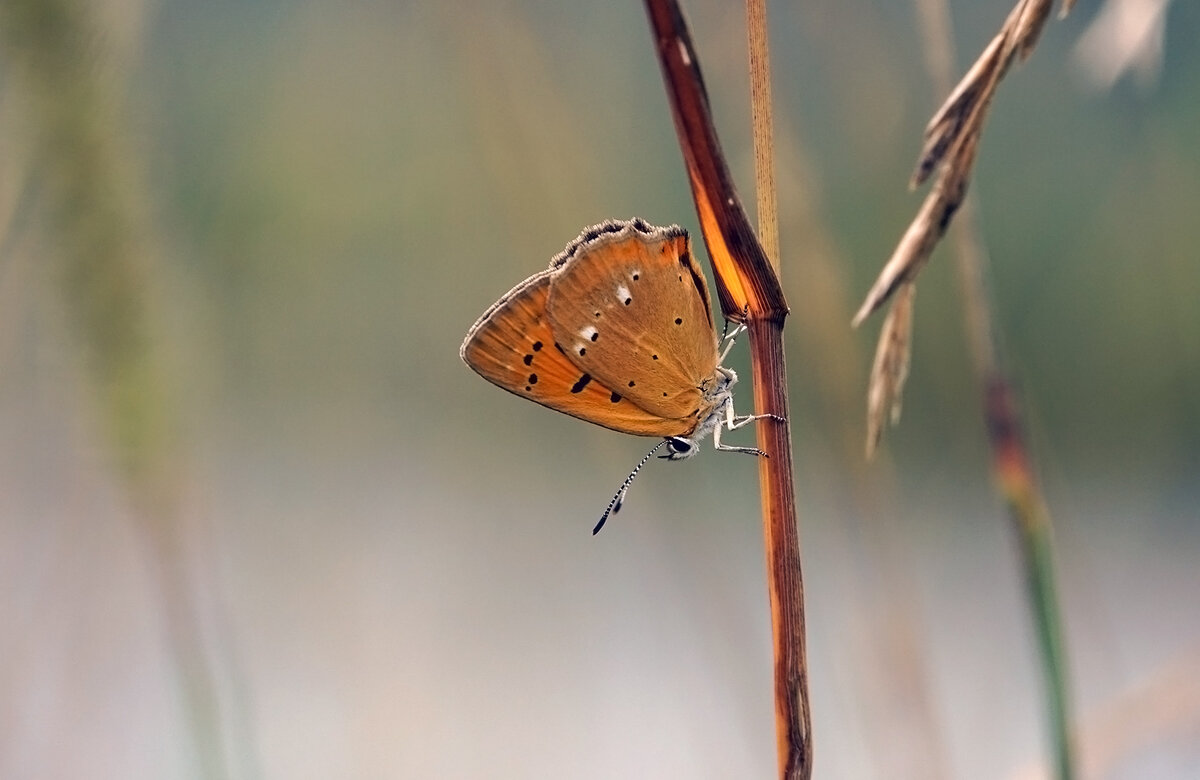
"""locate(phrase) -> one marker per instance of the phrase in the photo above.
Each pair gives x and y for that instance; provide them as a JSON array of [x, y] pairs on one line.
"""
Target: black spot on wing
[[614, 398], [528, 360], [582, 383]]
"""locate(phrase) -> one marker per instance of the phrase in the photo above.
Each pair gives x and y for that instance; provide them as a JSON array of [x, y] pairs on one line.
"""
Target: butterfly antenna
[[614, 506]]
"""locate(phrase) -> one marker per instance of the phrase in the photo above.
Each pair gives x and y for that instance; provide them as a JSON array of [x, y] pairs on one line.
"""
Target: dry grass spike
[[951, 139], [890, 369], [950, 146]]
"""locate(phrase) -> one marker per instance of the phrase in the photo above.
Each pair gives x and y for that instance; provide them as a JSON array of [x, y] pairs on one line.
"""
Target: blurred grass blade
[[103, 267]]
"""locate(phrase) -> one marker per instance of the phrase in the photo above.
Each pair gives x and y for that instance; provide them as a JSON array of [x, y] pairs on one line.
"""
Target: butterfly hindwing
[[513, 347], [629, 304]]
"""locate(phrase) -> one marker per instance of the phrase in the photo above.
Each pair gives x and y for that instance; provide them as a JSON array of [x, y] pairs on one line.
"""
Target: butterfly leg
[[737, 422], [730, 448], [733, 422]]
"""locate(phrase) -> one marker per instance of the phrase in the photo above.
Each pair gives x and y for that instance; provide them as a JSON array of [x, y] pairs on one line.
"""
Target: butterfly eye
[[679, 446]]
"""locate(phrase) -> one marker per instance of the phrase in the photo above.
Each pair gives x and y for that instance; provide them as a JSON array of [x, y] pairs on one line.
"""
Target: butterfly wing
[[513, 347], [629, 305]]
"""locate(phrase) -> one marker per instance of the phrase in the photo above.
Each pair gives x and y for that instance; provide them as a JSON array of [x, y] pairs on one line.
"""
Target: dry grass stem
[[890, 369], [764, 143]]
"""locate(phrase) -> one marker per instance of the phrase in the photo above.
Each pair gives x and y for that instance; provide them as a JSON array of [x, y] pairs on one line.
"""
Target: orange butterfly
[[619, 332]]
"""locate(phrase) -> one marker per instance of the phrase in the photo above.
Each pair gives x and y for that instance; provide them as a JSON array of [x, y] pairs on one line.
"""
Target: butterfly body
[[618, 331]]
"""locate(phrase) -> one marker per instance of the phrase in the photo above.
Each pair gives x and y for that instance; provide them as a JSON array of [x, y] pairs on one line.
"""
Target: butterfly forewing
[[629, 305], [512, 346]]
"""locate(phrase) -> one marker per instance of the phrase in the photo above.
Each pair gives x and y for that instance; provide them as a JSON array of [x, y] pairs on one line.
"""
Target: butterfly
[[619, 332]]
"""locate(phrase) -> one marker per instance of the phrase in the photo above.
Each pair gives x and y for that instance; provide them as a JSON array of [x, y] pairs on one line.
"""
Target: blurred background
[[258, 520]]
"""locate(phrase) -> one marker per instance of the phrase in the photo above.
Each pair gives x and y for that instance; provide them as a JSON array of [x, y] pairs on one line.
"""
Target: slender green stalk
[[1044, 599], [1031, 521]]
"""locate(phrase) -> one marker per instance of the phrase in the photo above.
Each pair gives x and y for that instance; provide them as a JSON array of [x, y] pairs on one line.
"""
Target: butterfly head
[[721, 380], [718, 403]]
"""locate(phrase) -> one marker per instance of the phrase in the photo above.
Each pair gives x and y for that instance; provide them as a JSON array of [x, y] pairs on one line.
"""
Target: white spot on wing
[[622, 293], [588, 332]]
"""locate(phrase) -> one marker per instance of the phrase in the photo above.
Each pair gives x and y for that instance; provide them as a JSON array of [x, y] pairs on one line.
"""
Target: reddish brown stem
[[785, 583], [746, 283], [749, 291]]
